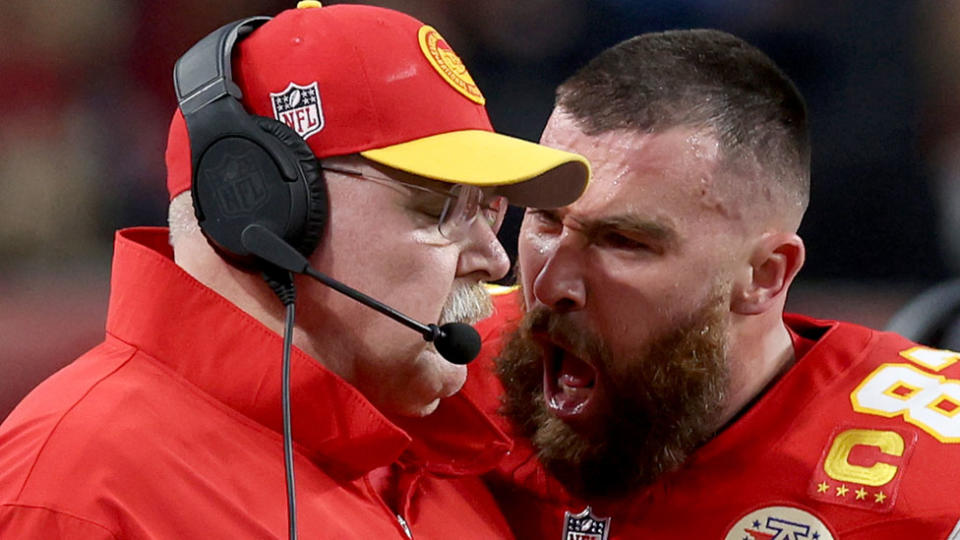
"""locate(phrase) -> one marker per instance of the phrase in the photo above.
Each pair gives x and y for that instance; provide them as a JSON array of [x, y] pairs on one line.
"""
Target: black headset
[[252, 174], [249, 173], [246, 169]]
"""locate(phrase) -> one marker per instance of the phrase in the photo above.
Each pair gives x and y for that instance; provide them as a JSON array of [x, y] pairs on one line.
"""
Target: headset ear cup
[[317, 210]]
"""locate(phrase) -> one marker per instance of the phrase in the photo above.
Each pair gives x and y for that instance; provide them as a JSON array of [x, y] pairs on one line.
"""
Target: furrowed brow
[[654, 230]]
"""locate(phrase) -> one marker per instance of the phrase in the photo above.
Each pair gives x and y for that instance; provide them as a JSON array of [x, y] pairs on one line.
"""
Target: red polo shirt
[[171, 428]]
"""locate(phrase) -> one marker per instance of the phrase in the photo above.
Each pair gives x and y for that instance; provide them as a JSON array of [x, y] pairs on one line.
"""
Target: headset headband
[[205, 72]]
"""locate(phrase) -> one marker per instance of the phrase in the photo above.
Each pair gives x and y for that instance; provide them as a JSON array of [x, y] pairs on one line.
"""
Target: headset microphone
[[258, 192], [457, 343]]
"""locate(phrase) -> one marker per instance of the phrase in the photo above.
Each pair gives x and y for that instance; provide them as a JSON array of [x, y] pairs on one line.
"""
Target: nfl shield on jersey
[[585, 526]]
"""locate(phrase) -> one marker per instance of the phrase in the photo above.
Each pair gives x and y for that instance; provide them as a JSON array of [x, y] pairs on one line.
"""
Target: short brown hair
[[700, 79]]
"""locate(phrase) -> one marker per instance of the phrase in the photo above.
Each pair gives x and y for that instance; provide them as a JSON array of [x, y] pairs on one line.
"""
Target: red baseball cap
[[362, 79]]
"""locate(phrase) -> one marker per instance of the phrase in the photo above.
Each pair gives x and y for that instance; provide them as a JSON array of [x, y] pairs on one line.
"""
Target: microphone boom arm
[[430, 331], [457, 342]]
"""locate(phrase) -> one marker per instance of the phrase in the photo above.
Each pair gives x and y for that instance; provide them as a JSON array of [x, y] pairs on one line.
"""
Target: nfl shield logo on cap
[[585, 526], [299, 107]]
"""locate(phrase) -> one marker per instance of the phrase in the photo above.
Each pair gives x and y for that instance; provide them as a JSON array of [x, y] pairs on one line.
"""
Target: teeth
[[571, 391]]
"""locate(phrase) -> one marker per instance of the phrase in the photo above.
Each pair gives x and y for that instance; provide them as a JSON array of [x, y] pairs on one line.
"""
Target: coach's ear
[[774, 261]]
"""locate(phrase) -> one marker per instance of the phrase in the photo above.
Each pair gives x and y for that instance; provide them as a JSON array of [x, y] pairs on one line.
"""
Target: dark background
[[85, 100]]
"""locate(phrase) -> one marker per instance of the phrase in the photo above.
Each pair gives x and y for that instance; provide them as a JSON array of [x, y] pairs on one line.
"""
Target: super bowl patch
[[779, 523], [448, 64], [585, 526], [299, 107]]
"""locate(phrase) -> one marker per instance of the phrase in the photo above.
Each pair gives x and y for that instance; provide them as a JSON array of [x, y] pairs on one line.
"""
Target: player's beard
[[661, 401]]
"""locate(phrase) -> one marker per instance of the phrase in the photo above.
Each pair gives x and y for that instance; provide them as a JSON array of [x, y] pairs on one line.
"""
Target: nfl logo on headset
[[585, 526], [239, 182], [299, 107]]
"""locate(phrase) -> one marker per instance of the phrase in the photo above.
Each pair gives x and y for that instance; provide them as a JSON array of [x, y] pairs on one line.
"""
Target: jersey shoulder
[[883, 413]]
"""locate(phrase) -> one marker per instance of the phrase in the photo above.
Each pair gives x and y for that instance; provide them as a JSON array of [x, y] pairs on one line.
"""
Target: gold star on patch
[[822, 487], [842, 491], [879, 497], [861, 494]]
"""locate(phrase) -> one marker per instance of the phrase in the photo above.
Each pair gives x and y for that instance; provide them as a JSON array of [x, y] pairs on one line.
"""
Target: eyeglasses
[[460, 209]]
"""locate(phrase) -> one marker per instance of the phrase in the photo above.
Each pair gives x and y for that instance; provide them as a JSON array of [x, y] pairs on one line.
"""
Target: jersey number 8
[[930, 402]]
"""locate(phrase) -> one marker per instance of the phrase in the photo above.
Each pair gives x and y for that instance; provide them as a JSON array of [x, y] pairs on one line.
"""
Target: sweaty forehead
[[671, 166]]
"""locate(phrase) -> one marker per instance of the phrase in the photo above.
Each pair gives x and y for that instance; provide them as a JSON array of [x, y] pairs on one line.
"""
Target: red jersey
[[171, 428], [859, 440]]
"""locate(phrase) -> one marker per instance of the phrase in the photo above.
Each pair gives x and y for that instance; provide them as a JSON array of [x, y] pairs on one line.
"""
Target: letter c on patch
[[837, 466]]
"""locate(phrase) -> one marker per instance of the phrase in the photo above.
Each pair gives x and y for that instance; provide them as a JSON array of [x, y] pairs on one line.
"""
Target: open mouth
[[569, 385]]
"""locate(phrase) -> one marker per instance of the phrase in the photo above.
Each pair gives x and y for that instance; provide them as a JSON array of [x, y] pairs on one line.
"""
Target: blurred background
[[86, 96]]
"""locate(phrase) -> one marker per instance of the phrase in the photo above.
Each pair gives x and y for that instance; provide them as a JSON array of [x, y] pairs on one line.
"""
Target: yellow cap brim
[[528, 174]]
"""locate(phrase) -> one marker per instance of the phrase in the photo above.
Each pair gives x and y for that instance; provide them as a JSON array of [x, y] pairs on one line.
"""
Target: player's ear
[[774, 261]]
